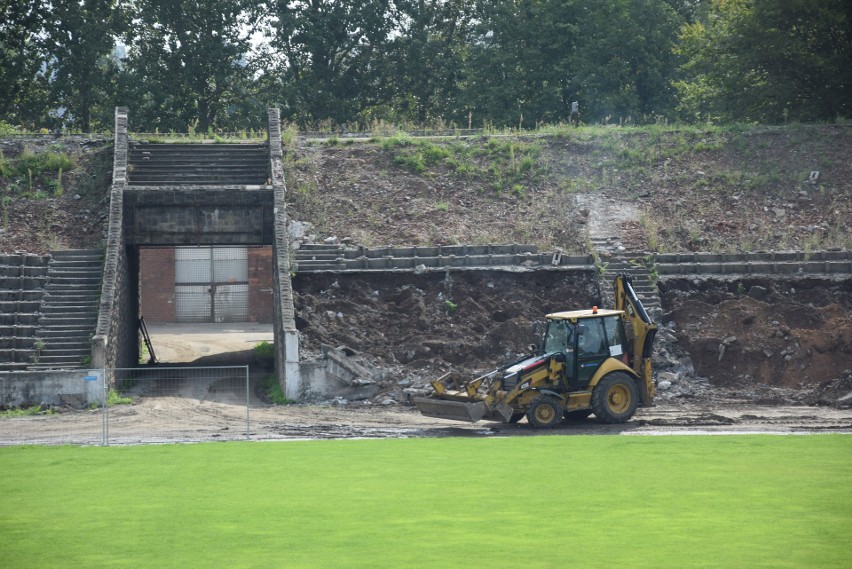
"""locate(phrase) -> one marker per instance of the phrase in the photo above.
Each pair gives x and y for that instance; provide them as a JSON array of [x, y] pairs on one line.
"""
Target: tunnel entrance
[[207, 305], [168, 196]]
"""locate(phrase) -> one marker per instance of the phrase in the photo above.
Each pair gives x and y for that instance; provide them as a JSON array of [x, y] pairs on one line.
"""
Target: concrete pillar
[[292, 370]]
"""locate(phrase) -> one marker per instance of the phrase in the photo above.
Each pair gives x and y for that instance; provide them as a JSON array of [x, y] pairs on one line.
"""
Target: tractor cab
[[585, 339]]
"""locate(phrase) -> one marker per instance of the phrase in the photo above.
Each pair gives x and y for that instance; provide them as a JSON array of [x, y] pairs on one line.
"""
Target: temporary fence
[[147, 405]]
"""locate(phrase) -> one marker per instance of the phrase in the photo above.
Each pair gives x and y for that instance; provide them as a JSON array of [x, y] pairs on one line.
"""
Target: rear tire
[[615, 398], [545, 412]]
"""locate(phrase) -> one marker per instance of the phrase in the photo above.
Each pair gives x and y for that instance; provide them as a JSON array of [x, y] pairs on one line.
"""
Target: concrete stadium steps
[[69, 309], [321, 257], [18, 331], [11, 306], [22, 281], [762, 263], [20, 295], [645, 288], [26, 271], [17, 352], [198, 164], [14, 317], [22, 274]]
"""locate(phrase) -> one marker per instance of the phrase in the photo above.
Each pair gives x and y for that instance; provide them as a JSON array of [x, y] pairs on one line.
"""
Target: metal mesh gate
[[173, 404], [211, 284], [146, 405]]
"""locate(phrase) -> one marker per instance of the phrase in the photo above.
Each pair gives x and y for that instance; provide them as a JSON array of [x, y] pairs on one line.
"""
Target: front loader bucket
[[455, 410]]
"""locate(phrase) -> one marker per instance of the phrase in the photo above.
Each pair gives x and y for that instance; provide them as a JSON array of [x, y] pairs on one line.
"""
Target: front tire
[[545, 412], [615, 398]]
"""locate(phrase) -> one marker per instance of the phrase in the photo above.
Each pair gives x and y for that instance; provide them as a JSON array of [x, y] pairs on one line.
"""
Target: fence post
[[248, 403], [105, 412]]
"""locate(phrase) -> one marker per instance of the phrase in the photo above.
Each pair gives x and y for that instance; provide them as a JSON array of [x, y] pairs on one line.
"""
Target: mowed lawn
[[533, 502]]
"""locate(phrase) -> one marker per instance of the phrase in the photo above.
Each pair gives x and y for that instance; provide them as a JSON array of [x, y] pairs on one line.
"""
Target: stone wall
[[115, 343], [284, 324]]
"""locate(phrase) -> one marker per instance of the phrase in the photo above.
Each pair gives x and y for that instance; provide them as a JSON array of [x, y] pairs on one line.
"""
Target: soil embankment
[[684, 190]]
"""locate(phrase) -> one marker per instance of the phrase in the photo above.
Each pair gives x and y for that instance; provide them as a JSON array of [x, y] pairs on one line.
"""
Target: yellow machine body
[[591, 361]]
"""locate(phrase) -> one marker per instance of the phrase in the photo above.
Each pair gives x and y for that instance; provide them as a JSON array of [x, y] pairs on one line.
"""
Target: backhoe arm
[[644, 330]]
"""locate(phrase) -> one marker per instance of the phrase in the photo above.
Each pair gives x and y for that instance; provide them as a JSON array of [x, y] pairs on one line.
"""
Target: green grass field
[[535, 502]]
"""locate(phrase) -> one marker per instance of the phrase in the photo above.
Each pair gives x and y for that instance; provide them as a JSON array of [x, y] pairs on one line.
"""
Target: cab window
[[559, 337], [592, 340], [616, 340]]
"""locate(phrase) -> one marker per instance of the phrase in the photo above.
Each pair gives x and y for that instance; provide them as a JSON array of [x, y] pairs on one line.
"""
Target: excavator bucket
[[455, 410]]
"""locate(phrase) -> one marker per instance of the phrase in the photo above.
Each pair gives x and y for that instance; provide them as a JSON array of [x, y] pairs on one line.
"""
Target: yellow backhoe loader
[[590, 361]]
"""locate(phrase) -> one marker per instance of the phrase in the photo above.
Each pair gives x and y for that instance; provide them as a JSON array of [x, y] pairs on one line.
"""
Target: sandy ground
[[183, 343]]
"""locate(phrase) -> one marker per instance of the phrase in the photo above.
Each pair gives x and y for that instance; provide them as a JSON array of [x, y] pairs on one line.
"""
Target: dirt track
[[175, 419]]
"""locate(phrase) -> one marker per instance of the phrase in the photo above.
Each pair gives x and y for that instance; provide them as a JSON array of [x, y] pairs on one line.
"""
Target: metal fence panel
[[230, 264], [163, 404], [179, 404], [192, 303], [211, 284], [58, 426], [230, 303]]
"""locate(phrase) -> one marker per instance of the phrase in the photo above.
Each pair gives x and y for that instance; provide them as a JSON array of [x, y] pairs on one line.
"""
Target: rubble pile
[[761, 339]]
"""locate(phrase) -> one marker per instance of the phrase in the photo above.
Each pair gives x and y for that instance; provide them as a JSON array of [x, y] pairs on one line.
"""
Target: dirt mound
[[422, 325], [376, 196], [50, 210], [666, 189], [685, 189], [781, 333]]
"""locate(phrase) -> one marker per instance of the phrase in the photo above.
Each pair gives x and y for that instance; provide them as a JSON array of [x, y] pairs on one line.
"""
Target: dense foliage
[[217, 64]]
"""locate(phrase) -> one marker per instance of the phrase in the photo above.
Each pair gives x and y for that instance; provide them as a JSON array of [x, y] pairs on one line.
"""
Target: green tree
[[188, 62], [324, 55], [768, 61], [23, 82], [79, 40], [531, 58], [624, 63], [425, 63], [518, 68]]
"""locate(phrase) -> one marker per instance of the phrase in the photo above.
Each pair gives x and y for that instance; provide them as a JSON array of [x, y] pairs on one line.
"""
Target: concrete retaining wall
[[198, 216], [28, 388]]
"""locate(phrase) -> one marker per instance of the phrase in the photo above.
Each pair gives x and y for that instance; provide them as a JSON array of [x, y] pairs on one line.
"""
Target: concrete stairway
[[22, 282], [646, 290], [69, 309], [321, 257], [198, 164]]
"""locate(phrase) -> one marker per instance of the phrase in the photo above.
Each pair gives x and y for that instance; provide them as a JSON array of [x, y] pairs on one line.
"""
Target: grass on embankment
[[744, 501]]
